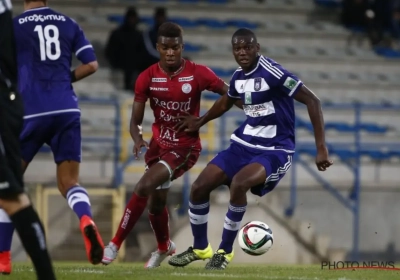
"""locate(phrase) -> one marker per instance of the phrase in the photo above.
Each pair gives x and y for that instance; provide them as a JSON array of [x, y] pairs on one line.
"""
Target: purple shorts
[[62, 132], [237, 156]]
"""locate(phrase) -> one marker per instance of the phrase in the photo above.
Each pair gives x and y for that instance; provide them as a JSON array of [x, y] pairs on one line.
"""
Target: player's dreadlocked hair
[[244, 32], [170, 30]]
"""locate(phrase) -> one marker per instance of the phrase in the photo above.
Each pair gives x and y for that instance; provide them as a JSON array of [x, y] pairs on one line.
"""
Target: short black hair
[[170, 30], [244, 32]]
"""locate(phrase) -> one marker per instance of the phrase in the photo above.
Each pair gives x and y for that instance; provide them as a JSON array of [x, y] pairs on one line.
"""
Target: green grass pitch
[[82, 271]]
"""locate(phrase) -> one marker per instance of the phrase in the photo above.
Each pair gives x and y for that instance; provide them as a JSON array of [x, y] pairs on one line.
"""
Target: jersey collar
[[177, 72], [36, 9], [255, 68]]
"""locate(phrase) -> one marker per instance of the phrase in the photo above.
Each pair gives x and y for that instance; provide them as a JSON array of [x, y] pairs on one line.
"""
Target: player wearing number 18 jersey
[[173, 87], [46, 41]]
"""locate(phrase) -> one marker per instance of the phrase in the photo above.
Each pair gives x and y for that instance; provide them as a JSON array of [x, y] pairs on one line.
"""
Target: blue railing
[[348, 153], [114, 140]]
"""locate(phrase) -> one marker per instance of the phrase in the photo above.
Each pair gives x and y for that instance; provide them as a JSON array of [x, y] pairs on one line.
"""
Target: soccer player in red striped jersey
[[173, 87]]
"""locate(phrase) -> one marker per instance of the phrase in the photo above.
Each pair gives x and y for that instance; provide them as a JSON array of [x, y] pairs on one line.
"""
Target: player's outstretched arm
[[308, 98], [136, 127], [238, 102], [83, 71], [191, 123]]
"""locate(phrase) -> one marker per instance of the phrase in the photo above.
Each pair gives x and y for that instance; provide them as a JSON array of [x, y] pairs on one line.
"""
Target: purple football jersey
[[46, 41], [267, 94]]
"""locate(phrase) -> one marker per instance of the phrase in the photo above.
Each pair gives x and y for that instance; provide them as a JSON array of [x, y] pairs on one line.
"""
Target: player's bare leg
[[159, 220], [78, 200], [209, 179], [155, 176], [249, 176]]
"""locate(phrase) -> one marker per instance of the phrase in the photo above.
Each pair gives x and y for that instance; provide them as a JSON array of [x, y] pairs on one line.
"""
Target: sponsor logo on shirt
[[186, 79], [40, 18], [158, 89], [159, 80]]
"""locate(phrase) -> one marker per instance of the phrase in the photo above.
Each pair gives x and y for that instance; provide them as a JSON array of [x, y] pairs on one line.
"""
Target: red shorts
[[177, 160]]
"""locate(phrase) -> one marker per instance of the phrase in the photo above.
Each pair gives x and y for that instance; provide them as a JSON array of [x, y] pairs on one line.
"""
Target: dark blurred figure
[[364, 18], [124, 50], [150, 37], [396, 21], [354, 13], [383, 18]]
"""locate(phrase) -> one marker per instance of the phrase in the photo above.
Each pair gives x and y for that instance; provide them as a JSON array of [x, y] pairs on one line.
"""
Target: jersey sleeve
[[281, 78], [81, 47], [208, 80], [142, 87]]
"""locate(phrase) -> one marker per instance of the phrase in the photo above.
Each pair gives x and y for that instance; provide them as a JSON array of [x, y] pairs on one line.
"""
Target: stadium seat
[[343, 153], [210, 96], [342, 127], [303, 124], [241, 24], [374, 154], [185, 22], [116, 18], [192, 47], [387, 52], [148, 20], [373, 128], [311, 151], [394, 153], [211, 23]]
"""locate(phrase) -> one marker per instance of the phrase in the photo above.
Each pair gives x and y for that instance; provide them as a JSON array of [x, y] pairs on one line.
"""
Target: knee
[[144, 188], [14, 203], [65, 183], [199, 191], [239, 186]]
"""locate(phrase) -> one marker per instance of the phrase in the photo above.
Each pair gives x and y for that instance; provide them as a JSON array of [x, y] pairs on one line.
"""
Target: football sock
[[233, 219], [31, 233], [198, 214], [133, 211], [78, 200], [6, 232], [160, 225]]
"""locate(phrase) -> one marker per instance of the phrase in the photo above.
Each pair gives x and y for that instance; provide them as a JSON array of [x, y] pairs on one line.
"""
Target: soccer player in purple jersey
[[45, 41], [261, 148]]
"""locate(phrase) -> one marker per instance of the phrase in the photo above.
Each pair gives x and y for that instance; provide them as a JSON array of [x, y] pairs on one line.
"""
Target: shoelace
[[188, 251], [217, 259]]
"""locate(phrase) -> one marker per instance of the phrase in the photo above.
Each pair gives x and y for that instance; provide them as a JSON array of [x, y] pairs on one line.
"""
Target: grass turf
[[78, 271]]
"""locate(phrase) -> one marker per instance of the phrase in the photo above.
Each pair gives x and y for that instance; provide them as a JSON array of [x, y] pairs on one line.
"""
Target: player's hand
[[322, 160], [187, 123], [137, 147]]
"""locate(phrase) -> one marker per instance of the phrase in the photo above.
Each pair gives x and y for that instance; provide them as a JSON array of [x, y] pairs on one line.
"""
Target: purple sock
[[78, 200], [233, 219], [6, 232], [198, 214]]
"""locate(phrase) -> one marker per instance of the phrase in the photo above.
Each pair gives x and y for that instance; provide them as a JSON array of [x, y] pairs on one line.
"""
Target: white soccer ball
[[255, 238]]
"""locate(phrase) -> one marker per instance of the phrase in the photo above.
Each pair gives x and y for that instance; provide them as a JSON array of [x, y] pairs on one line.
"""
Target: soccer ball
[[255, 238]]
